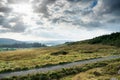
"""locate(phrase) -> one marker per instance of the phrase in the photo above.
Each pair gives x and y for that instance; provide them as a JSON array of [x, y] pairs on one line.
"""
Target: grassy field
[[104, 70], [109, 72], [34, 58]]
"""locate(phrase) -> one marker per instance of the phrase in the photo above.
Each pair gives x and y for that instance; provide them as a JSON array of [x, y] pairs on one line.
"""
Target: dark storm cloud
[[87, 13], [83, 13], [74, 0], [1, 20], [18, 26], [40, 6], [7, 17], [108, 11], [114, 20], [90, 25], [73, 11], [5, 9], [109, 7]]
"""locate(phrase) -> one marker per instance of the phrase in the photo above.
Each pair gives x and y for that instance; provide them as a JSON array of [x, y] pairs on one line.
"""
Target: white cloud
[[58, 19]]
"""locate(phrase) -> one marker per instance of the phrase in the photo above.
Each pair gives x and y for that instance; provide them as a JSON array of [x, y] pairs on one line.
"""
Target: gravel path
[[52, 68]]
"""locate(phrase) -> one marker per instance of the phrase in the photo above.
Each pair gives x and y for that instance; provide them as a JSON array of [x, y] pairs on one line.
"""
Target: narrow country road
[[57, 67]]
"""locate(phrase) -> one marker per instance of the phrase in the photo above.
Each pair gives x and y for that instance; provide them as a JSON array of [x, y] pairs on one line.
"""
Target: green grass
[[93, 71], [58, 74], [34, 58], [69, 73], [67, 78], [111, 70]]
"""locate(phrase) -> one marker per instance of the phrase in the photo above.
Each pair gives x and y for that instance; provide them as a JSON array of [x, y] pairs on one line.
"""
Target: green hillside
[[112, 39], [24, 59]]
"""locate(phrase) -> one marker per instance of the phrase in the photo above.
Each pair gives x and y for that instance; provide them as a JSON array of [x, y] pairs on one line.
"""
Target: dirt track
[[57, 67]]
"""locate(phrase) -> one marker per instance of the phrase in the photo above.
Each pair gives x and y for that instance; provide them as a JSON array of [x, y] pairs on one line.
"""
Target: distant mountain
[[54, 42], [11, 43], [50, 42], [7, 41]]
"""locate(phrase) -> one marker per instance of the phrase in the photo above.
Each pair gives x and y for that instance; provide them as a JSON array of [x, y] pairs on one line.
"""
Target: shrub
[[96, 73], [59, 53], [112, 69]]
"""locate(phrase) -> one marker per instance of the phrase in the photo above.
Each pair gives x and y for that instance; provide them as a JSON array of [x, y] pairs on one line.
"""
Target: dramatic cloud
[[92, 13], [13, 27], [108, 11], [40, 6], [17, 1], [55, 19], [12, 24], [5, 9], [108, 7]]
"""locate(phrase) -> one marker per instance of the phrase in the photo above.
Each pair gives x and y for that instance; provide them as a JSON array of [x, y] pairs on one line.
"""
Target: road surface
[[57, 67]]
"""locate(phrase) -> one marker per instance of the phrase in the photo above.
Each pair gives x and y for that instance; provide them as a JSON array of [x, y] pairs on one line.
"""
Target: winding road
[[57, 67]]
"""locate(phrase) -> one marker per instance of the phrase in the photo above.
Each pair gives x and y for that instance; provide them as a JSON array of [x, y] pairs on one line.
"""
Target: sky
[[36, 20]]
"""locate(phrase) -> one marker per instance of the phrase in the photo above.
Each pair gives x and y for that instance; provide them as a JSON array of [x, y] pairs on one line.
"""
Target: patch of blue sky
[[93, 4]]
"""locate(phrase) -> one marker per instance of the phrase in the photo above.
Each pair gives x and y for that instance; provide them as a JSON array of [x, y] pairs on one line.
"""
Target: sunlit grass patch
[[31, 58]]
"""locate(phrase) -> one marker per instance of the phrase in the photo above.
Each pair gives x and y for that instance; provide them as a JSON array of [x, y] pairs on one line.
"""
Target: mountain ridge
[[4, 41]]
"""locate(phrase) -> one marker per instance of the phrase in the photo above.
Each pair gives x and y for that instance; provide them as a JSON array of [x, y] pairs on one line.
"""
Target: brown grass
[[31, 58]]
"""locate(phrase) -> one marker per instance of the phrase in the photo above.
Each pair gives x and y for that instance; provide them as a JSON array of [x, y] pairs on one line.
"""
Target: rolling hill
[[25, 59], [11, 43], [110, 39], [6, 41]]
